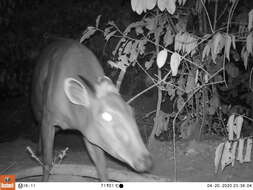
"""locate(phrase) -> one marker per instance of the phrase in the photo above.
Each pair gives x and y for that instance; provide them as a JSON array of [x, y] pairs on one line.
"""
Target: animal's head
[[112, 125]]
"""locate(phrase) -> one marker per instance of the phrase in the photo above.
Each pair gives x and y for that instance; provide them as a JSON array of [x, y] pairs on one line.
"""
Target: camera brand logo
[[7, 182]]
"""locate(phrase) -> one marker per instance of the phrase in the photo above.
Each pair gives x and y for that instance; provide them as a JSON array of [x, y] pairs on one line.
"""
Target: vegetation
[[197, 53]]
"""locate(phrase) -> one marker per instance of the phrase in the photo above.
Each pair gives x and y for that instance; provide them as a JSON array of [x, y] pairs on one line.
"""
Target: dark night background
[[28, 26]]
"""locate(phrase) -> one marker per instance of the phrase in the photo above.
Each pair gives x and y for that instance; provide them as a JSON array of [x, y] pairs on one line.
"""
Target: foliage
[[225, 153], [142, 6], [191, 62]]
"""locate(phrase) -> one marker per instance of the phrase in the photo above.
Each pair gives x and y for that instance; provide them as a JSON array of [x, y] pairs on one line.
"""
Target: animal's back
[[62, 59]]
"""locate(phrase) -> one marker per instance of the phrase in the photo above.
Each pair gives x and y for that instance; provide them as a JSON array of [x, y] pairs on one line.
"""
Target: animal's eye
[[107, 116]]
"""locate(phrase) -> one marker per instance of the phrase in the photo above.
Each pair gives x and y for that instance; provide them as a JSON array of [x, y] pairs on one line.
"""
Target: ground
[[194, 160]]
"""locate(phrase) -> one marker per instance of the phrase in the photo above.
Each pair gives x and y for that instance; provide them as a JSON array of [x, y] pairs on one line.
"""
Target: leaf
[[128, 48], [112, 23], [162, 4], [149, 63], [245, 56], [247, 157], [250, 23], [150, 23], [168, 38], [190, 84], [215, 101], [185, 128], [180, 103], [134, 52], [206, 51], [150, 4], [249, 43], [185, 42], [118, 48], [188, 43], [227, 46], [213, 54], [141, 46], [171, 90], [218, 154], [98, 20], [158, 32], [174, 63], [181, 2], [171, 6], [206, 78], [238, 126], [214, 104], [161, 58], [107, 30], [108, 36], [139, 30], [233, 40], [181, 85], [88, 33], [134, 4], [218, 42], [230, 127], [226, 156], [138, 6], [193, 46], [240, 151], [196, 76], [211, 110], [135, 25], [117, 65], [177, 39], [123, 62]]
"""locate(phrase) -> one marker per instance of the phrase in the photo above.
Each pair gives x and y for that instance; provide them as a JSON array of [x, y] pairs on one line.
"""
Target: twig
[[230, 15], [209, 20], [215, 15], [147, 89], [148, 114], [33, 155]]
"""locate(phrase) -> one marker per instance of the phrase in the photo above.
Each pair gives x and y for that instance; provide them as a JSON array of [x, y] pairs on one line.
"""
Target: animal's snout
[[144, 163]]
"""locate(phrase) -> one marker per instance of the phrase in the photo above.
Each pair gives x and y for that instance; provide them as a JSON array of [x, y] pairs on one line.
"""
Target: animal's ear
[[76, 92], [105, 86]]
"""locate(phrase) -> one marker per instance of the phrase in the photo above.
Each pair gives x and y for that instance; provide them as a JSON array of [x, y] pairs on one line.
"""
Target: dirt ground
[[194, 160]]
